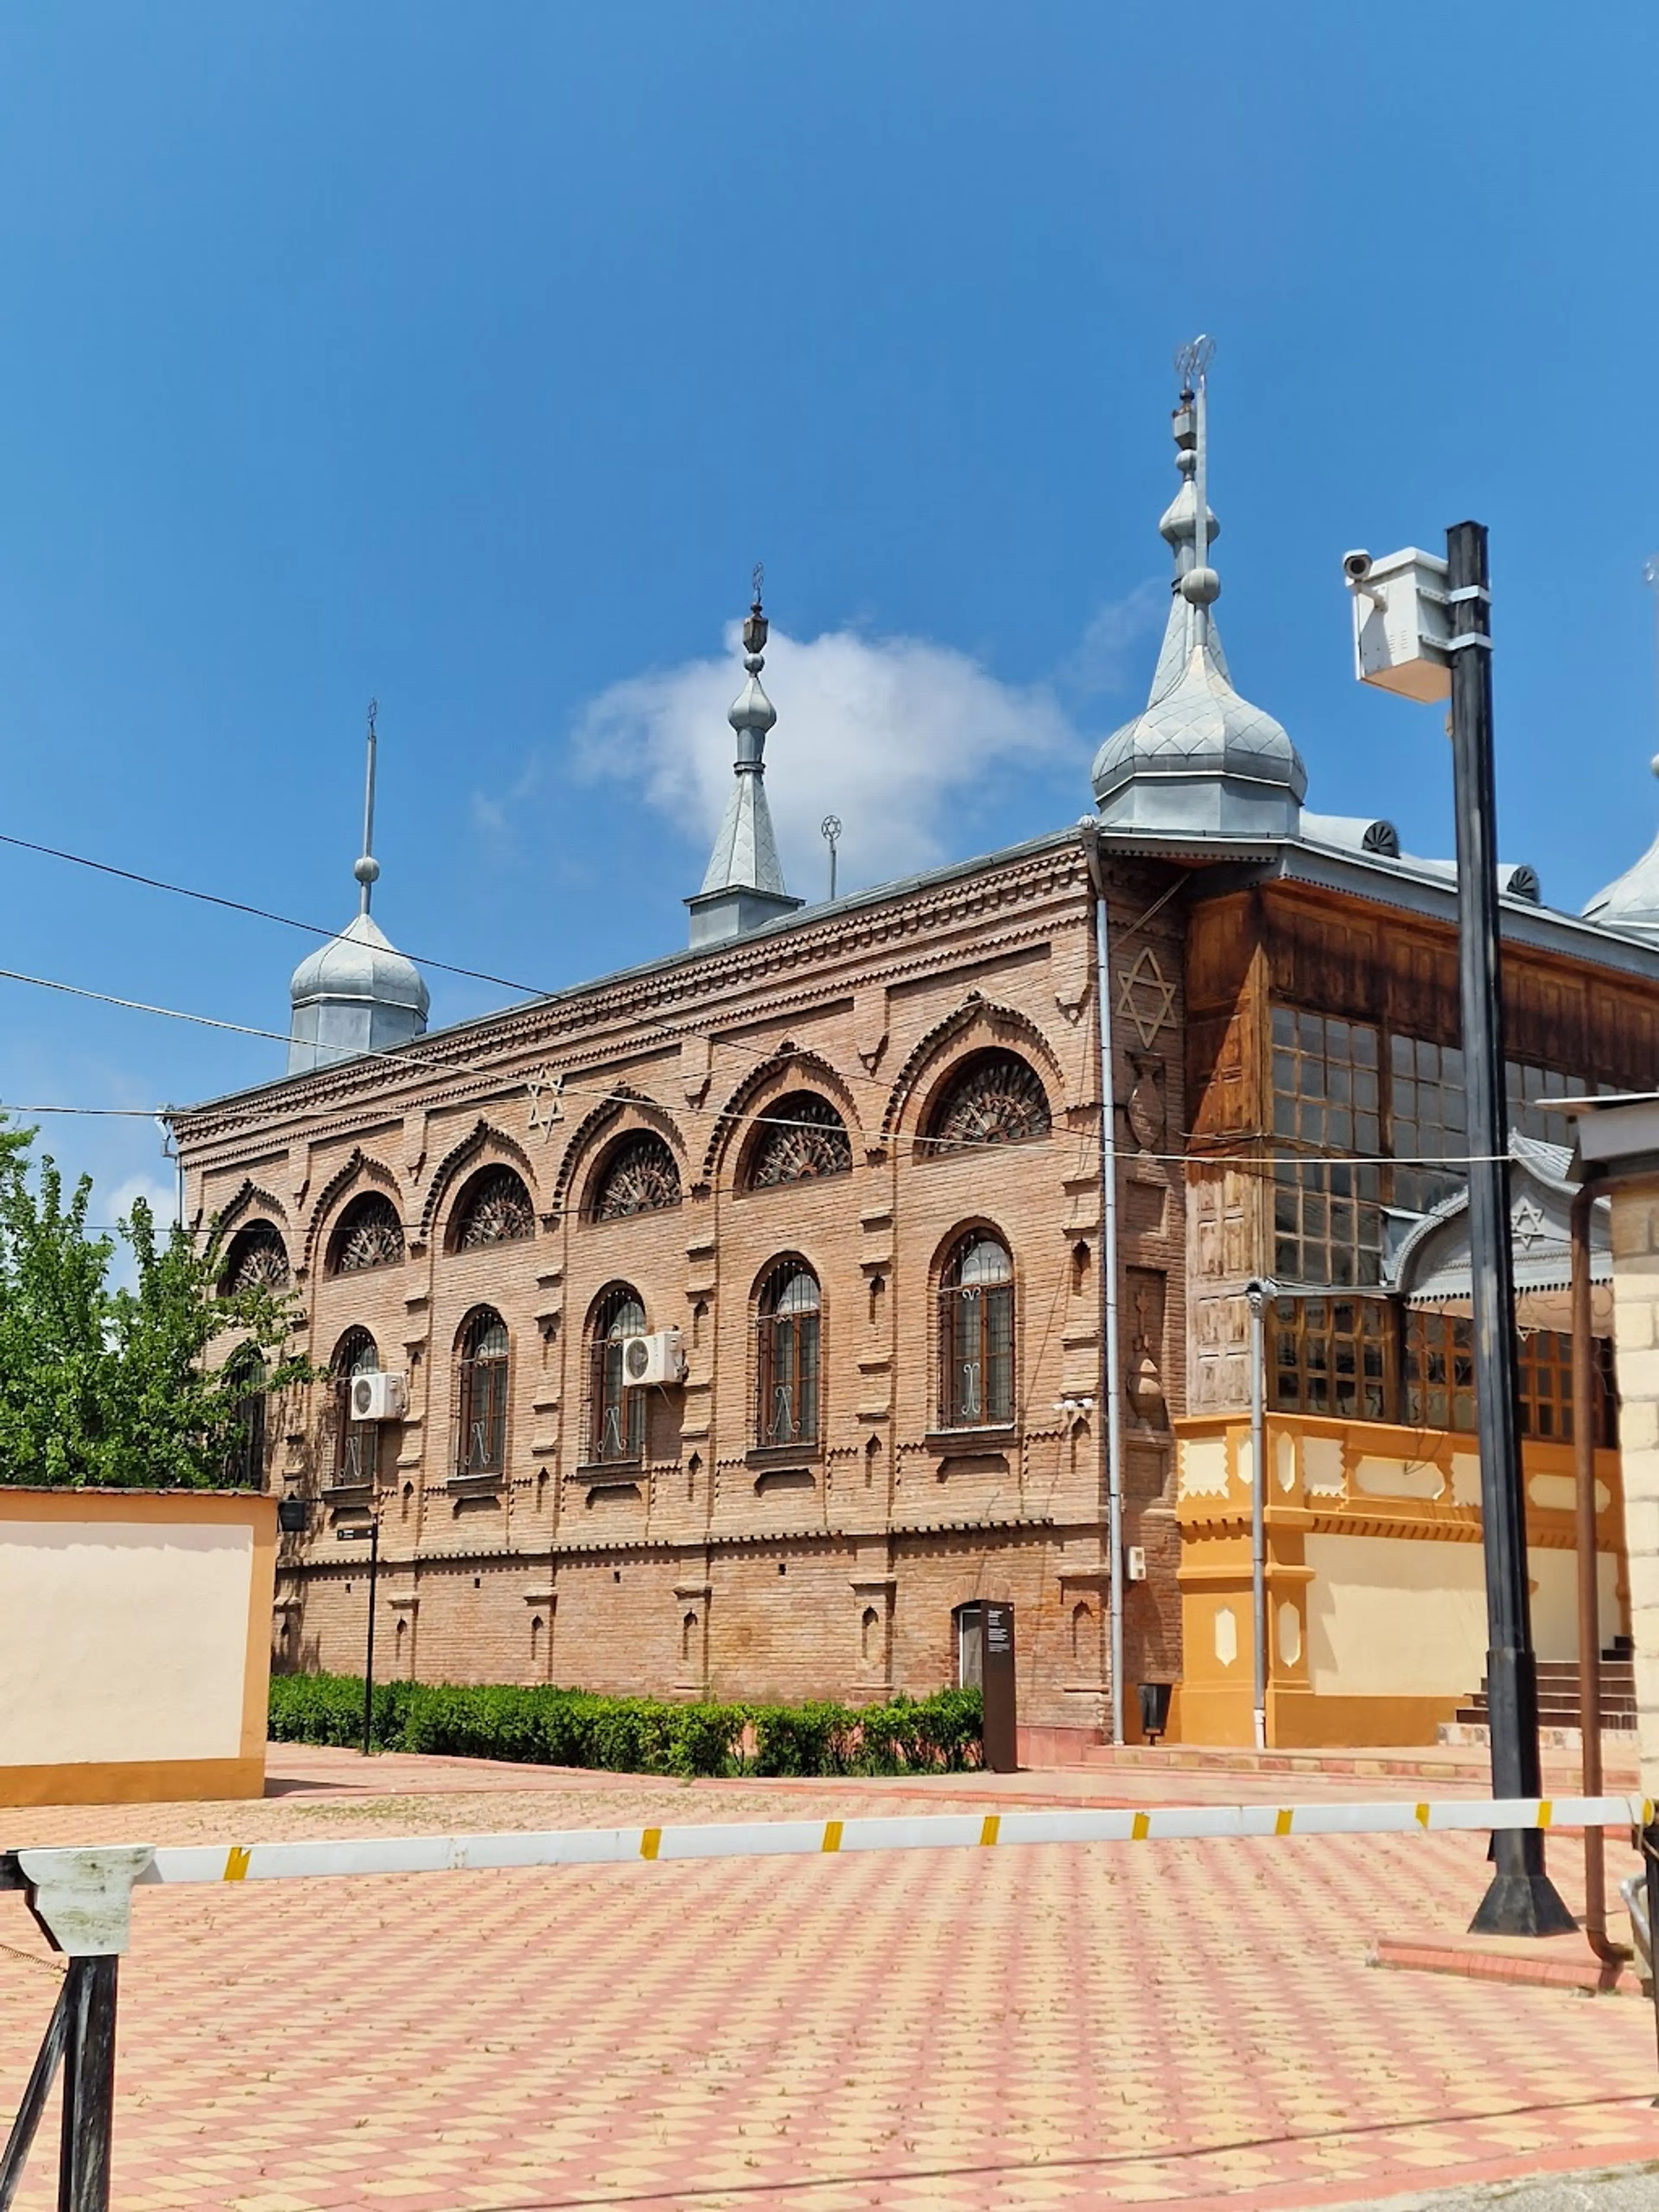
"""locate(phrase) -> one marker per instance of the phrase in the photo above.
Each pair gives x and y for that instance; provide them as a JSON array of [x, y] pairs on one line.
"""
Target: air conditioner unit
[[1135, 1563], [659, 1358], [379, 1397]]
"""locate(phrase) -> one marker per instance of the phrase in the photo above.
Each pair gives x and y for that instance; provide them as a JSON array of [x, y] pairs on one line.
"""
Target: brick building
[[851, 1156]]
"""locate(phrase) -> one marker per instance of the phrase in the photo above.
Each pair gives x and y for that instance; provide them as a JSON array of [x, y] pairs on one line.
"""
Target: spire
[[357, 993], [743, 885], [367, 868], [1199, 758]]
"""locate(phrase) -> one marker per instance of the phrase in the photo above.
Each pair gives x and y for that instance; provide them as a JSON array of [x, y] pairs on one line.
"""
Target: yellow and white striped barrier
[[203, 1863]]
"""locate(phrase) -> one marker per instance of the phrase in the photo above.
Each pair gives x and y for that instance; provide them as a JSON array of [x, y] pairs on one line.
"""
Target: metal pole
[[1111, 1375], [1257, 1292], [1521, 1900], [369, 1654], [1585, 1405], [84, 2164], [42, 2075]]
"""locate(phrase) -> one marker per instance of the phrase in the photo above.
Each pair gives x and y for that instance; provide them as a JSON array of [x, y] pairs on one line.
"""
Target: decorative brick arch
[[785, 1071], [625, 1109], [251, 1199], [359, 1167], [483, 1145], [977, 1022]]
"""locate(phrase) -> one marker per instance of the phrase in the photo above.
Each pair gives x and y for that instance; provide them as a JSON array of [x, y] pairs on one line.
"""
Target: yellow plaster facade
[[1376, 1596]]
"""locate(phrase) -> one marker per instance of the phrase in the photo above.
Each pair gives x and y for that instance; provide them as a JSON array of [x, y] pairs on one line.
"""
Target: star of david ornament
[[1146, 996], [546, 1093], [1526, 1224]]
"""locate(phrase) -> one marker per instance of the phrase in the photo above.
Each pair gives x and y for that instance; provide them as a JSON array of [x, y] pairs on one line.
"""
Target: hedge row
[[632, 1735]]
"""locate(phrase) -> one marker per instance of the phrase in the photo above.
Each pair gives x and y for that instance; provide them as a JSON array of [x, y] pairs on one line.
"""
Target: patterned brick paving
[[1103, 2024]]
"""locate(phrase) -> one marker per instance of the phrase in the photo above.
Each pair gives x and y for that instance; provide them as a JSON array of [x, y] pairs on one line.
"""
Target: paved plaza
[[1188, 2023]]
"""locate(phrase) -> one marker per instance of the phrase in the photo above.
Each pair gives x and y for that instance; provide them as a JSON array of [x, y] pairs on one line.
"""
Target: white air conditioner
[[1135, 1563], [659, 1358], [380, 1397]]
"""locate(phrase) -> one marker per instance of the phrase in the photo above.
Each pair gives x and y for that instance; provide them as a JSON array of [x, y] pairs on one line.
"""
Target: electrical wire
[[258, 913]]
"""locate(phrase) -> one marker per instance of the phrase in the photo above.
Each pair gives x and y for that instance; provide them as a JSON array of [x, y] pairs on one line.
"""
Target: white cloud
[[1106, 657], [895, 735], [163, 1198]]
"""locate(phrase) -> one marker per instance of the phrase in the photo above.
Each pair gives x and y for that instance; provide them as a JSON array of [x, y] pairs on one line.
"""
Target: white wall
[[122, 1640]]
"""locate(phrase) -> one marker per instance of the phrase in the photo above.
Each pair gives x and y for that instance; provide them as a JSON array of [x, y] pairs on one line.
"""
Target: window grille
[[370, 1235], [245, 1463], [640, 1177], [258, 1257], [616, 1412], [482, 1394], [786, 1367], [802, 1137], [995, 1098], [976, 1334], [496, 1210], [357, 1444]]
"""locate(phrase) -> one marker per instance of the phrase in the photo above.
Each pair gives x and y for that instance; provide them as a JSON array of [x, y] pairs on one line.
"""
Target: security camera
[[1356, 567]]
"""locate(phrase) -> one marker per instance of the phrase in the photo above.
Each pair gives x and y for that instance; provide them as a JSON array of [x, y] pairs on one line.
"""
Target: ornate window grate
[[370, 1235], [497, 1211], [997, 1098], [802, 1137], [258, 1260], [641, 1178]]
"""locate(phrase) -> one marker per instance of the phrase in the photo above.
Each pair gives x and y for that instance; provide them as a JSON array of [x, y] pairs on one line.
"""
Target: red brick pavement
[[1066, 2025]]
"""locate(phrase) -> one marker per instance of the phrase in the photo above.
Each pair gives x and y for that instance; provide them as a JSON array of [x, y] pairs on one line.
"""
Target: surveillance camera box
[[1400, 625]]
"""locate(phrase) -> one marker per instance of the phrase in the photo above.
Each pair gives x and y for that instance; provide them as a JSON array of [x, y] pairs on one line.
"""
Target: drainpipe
[[1589, 1630], [1258, 1292], [1111, 1380]]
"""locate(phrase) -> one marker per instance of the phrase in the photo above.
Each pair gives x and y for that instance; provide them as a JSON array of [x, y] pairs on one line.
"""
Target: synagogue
[[733, 1325]]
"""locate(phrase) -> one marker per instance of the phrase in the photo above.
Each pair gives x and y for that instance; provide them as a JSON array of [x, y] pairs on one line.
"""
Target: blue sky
[[470, 356]]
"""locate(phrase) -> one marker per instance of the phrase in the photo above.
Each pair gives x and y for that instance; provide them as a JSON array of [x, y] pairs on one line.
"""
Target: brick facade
[[713, 1564]]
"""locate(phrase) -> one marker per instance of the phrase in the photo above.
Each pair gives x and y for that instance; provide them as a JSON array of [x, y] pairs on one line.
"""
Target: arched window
[[357, 1444], [801, 1137], [640, 1177], [976, 1334], [616, 1412], [257, 1257], [369, 1234], [482, 1376], [994, 1097], [245, 1465], [787, 1370], [495, 1209]]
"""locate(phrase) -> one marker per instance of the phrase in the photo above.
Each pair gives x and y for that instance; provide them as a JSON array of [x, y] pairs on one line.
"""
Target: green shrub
[[542, 1726]]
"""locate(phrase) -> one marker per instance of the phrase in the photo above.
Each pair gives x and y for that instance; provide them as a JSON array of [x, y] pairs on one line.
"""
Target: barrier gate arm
[[81, 1898]]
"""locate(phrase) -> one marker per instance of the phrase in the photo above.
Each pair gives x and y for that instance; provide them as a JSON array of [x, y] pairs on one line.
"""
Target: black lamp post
[[372, 1530]]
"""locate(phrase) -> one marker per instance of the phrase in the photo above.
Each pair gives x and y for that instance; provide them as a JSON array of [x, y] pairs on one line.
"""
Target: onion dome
[[1198, 758], [1629, 903], [356, 993]]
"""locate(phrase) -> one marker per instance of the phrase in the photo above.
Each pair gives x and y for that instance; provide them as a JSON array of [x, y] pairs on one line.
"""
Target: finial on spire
[[743, 885], [755, 629], [367, 868], [1200, 586]]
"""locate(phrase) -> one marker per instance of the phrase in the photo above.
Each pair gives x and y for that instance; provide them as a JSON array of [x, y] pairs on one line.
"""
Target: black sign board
[[987, 1633]]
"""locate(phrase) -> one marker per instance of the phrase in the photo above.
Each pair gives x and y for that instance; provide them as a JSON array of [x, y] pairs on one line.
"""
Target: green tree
[[116, 1386]]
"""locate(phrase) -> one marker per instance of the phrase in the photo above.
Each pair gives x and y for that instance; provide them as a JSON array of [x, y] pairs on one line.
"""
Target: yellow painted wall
[[134, 1644]]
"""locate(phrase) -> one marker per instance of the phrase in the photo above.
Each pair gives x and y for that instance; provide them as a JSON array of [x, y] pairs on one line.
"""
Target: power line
[[258, 913]]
